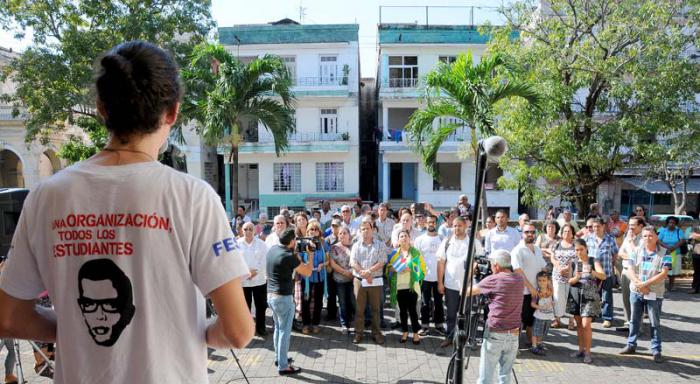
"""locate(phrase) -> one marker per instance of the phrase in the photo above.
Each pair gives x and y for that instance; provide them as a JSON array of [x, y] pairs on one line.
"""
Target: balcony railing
[[401, 136], [402, 83], [308, 137], [6, 113], [323, 81]]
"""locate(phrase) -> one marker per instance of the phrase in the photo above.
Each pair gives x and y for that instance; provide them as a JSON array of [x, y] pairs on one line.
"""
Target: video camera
[[483, 268], [312, 243]]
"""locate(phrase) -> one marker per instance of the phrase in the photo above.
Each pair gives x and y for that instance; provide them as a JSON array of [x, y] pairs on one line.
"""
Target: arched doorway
[[11, 171], [48, 164]]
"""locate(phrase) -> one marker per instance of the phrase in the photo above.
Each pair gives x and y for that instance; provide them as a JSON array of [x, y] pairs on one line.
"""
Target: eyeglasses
[[247, 229], [589, 226], [313, 229], [89, 305], [528, 232]]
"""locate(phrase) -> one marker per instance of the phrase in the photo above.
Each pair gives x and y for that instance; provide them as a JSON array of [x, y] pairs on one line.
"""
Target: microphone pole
[[492, 147]]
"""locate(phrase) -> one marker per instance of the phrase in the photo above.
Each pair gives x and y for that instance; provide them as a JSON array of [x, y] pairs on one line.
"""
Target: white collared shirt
[[254, 255]]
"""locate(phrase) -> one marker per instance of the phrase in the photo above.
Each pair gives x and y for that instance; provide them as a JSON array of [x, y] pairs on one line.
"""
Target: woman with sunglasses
[[342, 274], [314, 287]]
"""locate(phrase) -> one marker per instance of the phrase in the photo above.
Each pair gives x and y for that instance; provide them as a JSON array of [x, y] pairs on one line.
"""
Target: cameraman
[[282, 262], [503, 290]]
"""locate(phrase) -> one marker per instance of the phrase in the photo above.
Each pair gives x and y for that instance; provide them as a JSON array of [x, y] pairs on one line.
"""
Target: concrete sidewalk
[[330, 357]]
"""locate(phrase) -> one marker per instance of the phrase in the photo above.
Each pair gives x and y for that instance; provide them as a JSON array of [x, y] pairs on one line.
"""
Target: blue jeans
[[606, 294], [346, 299], [282, 314], [637, 302], [498, 349]]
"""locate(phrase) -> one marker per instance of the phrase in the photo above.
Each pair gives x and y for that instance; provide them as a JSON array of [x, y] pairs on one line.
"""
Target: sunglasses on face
[[90, 305], [528, 232]]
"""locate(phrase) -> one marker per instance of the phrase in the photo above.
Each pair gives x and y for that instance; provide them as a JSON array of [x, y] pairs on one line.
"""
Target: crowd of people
[[362, 260]]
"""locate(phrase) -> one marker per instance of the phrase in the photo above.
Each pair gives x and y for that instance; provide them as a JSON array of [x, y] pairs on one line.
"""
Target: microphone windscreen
[[495, 146]]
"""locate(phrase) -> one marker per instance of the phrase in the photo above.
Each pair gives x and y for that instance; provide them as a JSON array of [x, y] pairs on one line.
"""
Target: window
[[450, 177], [403, 71], [447, 59], [287, 177], [290, 63], [329, 177], [329, 70], [493, 172], [329, 121]]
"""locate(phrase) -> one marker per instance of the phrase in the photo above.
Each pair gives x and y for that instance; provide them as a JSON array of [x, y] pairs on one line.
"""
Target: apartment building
[[322, 160], [407, 52]]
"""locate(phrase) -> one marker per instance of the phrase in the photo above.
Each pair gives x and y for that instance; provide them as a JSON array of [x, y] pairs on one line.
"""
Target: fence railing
[[401, 136], [6, 113], [322, 81], [308, 137], [401, 83]]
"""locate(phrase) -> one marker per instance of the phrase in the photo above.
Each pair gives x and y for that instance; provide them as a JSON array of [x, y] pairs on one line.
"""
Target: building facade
[[322, 160], [407, 52], [22, 164]]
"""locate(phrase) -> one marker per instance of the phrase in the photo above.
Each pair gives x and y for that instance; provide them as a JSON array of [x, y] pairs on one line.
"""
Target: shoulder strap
[[447, 244]]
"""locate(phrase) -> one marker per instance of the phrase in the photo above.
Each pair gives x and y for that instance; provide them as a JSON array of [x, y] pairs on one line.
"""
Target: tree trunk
[[234, 178], [584, 200]]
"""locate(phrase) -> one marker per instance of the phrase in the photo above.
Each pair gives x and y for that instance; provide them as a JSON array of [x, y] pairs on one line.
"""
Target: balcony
[[401, 83], [299, 142], [336, 85], [6, 113], [398, 140], [307, 137], [396, 87]]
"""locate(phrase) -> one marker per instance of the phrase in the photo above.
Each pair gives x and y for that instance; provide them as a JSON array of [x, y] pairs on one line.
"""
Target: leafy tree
[[225, 93], [54, 75], [467, 91], [674, 160], [614, 76]]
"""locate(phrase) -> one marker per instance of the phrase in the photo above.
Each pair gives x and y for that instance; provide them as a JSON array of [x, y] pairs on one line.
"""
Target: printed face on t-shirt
[[105, 300], [100, 308]]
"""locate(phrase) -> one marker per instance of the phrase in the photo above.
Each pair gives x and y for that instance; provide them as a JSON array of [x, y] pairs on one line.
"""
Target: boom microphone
[[494, 147]]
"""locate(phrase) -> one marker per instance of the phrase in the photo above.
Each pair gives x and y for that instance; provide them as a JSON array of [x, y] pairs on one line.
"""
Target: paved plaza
[[330, 357]]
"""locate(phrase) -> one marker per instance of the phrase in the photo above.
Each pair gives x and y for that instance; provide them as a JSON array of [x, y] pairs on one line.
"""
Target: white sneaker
[[345, 330]]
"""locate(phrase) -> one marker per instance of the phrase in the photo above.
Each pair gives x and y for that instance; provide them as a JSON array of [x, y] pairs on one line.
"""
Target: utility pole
[[302, 12]]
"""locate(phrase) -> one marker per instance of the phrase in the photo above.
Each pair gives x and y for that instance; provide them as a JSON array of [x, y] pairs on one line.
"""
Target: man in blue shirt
[[603, 248]]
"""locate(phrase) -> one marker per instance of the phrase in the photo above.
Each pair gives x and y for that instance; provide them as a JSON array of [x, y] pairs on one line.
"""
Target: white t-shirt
[[428, 247], [454, 258], [126, 254], [272, 239], [506, 239], [254, 255], [530, 262]]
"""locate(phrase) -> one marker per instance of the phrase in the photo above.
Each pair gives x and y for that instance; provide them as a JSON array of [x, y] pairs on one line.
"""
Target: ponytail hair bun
[[136, 82]]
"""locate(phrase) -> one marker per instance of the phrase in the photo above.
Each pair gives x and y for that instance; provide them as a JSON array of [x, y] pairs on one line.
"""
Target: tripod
[[212, 311], [18, 363]]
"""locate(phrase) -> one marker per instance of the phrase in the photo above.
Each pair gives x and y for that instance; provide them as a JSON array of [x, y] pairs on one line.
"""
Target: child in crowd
[[543, 303]]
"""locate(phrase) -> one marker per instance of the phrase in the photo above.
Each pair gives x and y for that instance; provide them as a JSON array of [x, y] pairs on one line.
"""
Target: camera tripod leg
[[212, 312], [18, 362]]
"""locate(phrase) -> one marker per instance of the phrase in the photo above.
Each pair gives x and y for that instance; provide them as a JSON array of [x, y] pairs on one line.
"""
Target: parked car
[[683, 220]]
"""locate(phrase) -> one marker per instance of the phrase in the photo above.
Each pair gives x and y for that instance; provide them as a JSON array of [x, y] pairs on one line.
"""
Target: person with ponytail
[[126, 247], [405, 272]]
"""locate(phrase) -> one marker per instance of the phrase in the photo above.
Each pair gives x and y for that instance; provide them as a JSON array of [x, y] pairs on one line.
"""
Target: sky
[[364, 12]]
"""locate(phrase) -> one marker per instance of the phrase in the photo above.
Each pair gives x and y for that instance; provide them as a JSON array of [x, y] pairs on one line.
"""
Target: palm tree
[[223, 93], [466, 91]]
